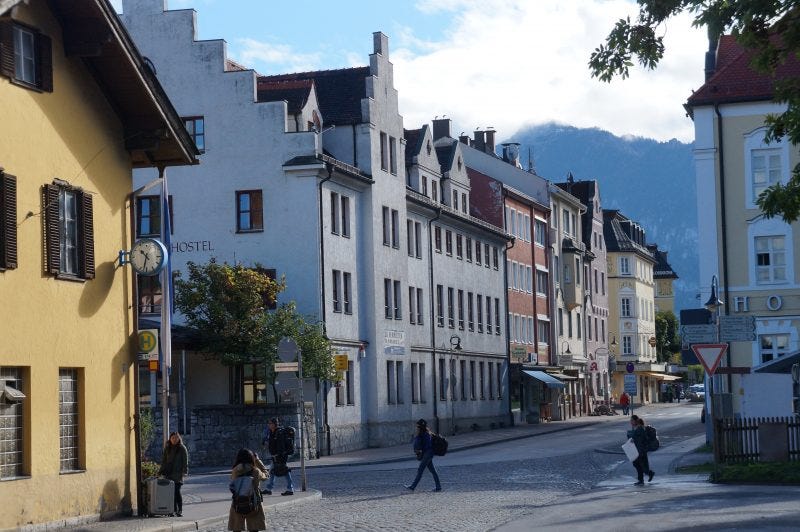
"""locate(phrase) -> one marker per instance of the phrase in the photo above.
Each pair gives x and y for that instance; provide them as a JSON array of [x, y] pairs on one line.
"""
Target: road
[[577, 478]]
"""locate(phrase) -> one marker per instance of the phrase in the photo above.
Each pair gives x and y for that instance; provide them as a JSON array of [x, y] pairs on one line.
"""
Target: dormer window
[[428, 147]]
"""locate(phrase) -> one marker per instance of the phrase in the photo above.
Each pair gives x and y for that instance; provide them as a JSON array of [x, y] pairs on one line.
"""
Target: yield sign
[[709, 355]]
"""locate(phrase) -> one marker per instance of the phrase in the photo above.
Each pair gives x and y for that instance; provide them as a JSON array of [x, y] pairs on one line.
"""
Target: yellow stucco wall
[[46, 324]]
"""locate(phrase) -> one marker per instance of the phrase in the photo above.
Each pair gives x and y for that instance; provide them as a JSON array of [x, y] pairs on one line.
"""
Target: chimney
[[441, 128], [490, 141], [463, 139], [711, 54], [511, 153], [480, 142]]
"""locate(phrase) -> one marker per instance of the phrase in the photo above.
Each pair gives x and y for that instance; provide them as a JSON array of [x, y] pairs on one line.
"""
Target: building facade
[[78, 116]]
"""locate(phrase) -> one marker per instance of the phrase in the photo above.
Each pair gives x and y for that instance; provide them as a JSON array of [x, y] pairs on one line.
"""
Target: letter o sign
[[774, 302]]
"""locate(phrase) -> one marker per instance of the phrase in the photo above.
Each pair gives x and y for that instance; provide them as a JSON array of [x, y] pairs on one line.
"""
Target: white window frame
[[754, 142]]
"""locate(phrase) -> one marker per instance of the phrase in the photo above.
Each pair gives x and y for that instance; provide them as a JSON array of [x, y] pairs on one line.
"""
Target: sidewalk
[[203, 507]]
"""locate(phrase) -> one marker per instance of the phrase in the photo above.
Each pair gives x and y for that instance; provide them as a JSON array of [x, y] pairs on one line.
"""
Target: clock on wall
[[148, 256]]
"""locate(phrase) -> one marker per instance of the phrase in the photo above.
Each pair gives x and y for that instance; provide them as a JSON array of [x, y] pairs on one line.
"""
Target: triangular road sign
[[709, 355]]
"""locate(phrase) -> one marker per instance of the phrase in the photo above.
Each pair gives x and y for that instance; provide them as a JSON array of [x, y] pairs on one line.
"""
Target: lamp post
[[455, 346], [713, 305]]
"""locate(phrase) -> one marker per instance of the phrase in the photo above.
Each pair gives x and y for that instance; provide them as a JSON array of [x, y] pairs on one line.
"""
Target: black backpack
[[287, 434], [652, 438], [245, 497], [439, 445]]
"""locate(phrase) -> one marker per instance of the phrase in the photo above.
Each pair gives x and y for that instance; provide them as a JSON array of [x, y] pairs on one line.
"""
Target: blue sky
[[499, 63]]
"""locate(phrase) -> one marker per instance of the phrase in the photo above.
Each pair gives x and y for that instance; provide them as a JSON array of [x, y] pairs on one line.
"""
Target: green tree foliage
[[667, 340], [228, 307], [752, 22]]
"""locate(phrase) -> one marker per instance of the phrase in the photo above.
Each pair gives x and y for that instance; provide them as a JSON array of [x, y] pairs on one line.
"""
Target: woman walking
[[247, 465], [423, 448], [175, 466], [642, 463]]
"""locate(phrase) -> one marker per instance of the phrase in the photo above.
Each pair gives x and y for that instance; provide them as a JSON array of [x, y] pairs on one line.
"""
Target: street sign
[[519, 354], [699, 334], [287, 349], [340, 362], [709, 355], [629, 367], [737, 328], [630, 383], [286, 366]]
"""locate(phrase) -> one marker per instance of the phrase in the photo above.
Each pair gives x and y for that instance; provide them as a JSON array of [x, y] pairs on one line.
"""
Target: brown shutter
[[87, 237], [52, 228], [6, 49], [8, 221], [44, 65], [256, 210]]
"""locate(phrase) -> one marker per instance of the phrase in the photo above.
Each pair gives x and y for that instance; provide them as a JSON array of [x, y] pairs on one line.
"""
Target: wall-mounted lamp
[[613, 343], [565, 351], [362, 351], [455, 342], [713, 303]]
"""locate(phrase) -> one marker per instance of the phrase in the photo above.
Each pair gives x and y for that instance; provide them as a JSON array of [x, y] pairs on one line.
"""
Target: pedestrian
[[175, 466], [247, 466], [642, 464], [280, 448], [423, 448], [625, 402]]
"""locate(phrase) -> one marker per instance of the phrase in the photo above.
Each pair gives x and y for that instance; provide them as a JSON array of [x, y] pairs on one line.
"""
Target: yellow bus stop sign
[[148, 340]]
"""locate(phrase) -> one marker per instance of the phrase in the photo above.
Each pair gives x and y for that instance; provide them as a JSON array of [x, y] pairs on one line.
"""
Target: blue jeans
[[289, 485], [426, 462]]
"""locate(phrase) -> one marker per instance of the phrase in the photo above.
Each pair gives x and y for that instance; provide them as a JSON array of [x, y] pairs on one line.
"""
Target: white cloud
[[277, 57], [510, 63]]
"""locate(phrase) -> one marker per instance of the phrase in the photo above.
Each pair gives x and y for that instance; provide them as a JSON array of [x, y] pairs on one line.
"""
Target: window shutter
[[44, 65], [87, 229], [8, 222], [52, 228], [6, 49], [256, 210]]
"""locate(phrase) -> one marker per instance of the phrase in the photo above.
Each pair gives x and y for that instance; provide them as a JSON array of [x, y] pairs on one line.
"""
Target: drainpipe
[[355, 149], [327, 427], [137, 418], [508, 334], [723, 228], [433, 316]]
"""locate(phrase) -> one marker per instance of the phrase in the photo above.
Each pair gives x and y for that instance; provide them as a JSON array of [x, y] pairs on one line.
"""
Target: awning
[[563, 377], [662, 376], [541, 376], [782, 364]]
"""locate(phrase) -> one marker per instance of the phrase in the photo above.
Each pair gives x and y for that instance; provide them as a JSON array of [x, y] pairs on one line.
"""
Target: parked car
[[697, 393]]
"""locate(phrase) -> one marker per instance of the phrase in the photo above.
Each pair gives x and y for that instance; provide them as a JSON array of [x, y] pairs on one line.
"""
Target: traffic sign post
[[287, 351], [709, 355], [737, 328]]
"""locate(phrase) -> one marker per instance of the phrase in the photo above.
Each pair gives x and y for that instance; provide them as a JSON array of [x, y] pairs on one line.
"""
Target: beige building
[[664, 277], [752, 257], [80, 109]]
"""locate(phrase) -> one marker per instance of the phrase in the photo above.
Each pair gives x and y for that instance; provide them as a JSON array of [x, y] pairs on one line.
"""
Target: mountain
[[649, 181]]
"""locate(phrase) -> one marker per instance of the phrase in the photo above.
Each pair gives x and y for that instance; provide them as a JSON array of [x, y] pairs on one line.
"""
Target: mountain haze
[[649, 181]]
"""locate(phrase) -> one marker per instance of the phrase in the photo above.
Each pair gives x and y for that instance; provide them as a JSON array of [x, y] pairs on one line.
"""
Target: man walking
[[423, 448], [281, 448]]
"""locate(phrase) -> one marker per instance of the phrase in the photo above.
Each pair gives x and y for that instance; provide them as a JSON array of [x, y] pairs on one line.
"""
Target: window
[[450, 308], [488, 315], [541, 283], [529, 277], [344, 388], [577, 271], [149, 291], [347, 293], [414, 383], [410, 237], [391, 383], [627, 345], [540, 233], [422, 383], [479, 300], [569, 323], [565, 219], [448, 242], [424, 185], [463, 366], [337, 291], [472, 379], [483, 380], [395, 229], [543, 331], [459, 246], [384, 154], [461, 309], [578, 324], [434, 190], [398, 313], [399, 382], [334, 213], [440, 305], [478, 254], [464, 203], [12, 421], [452, 379], [495, 258], [511, 221], [455, 199], [412, 315], [388, 309], [625, 308], [470, 318], [442, 380], [603, 282], [468, 246], [249, 211], [68, 420], [770, 259], [69, 231], [8, 225], [393, 155], [527, 221], [419, 306], [497, 315], [195, 126], [560, 322], [624, 266], [148, 216], [418, 239], [491, 380], [387, 235], [437, 238], [486, 255], [499, 380], [765, 168], [345, 216], [773, 346], [556, 270], [26, 56]]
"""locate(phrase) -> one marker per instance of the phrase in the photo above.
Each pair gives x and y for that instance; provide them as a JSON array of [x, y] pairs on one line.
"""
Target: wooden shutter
[[8, 221], [52, 228], [6, 49], [44, 63], [87, 235], [256, 210]]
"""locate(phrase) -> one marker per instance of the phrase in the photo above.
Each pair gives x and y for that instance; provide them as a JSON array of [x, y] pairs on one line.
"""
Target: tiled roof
[[295, 92], [736, 81], [339, 92], [615, 236]]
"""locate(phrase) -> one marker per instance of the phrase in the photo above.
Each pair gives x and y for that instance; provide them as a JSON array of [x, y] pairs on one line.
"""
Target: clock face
[[148, 256]]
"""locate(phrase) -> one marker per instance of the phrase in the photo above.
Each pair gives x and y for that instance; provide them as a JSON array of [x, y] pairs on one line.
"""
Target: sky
[[506, 64]]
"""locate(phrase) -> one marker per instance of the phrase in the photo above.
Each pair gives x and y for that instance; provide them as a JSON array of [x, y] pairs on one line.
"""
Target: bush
[[760, 473], [150, 469], [147, 430]]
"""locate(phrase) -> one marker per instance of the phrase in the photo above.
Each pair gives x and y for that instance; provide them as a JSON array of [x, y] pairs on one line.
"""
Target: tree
[[667, 340], [754, 23], [228, 307]]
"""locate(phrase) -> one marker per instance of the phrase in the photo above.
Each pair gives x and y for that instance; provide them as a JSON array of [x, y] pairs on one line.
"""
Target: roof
[[617, 239], [339, 92], [735, 80], [414, 139], [662, 269], [782, 364], [154, 132], [446, 152], [294, 92], [584, 191]]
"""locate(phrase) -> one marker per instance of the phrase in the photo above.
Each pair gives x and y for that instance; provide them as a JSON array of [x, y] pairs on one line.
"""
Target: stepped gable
[[339, 92], [295, 92], [735, 80]]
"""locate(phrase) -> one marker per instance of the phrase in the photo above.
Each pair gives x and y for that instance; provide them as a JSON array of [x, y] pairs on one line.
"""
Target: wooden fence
[[739, 440]]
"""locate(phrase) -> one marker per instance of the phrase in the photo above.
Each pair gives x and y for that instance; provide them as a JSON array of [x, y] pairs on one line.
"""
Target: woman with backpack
[[642, 463], [247, 511], [423, 448]]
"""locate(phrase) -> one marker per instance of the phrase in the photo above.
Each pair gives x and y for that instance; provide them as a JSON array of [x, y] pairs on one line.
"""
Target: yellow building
[[80, 109], [664, 277]]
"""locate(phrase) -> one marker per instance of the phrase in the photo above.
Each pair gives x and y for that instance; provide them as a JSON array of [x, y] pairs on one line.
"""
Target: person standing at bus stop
[[625, 403]]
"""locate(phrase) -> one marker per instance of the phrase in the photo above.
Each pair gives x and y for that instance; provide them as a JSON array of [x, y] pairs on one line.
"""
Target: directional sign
[[630, 383], [737, 328], [286, 366], [709, 355], [699, 334]]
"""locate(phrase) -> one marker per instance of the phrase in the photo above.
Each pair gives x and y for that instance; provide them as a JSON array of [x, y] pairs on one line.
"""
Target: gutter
[[435, 397], [326, 426], [723, 228]]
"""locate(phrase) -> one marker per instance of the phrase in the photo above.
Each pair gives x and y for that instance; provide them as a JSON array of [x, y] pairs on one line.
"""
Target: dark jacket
[[423, 442], [276, 442], [640, 439], [174, 462]]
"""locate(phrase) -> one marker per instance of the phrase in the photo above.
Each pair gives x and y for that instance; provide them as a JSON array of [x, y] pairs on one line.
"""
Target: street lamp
[[565, 351], [713, 305], [455, 346]]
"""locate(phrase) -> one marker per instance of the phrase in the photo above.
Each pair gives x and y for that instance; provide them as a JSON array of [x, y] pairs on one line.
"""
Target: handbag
[[280, 469]]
